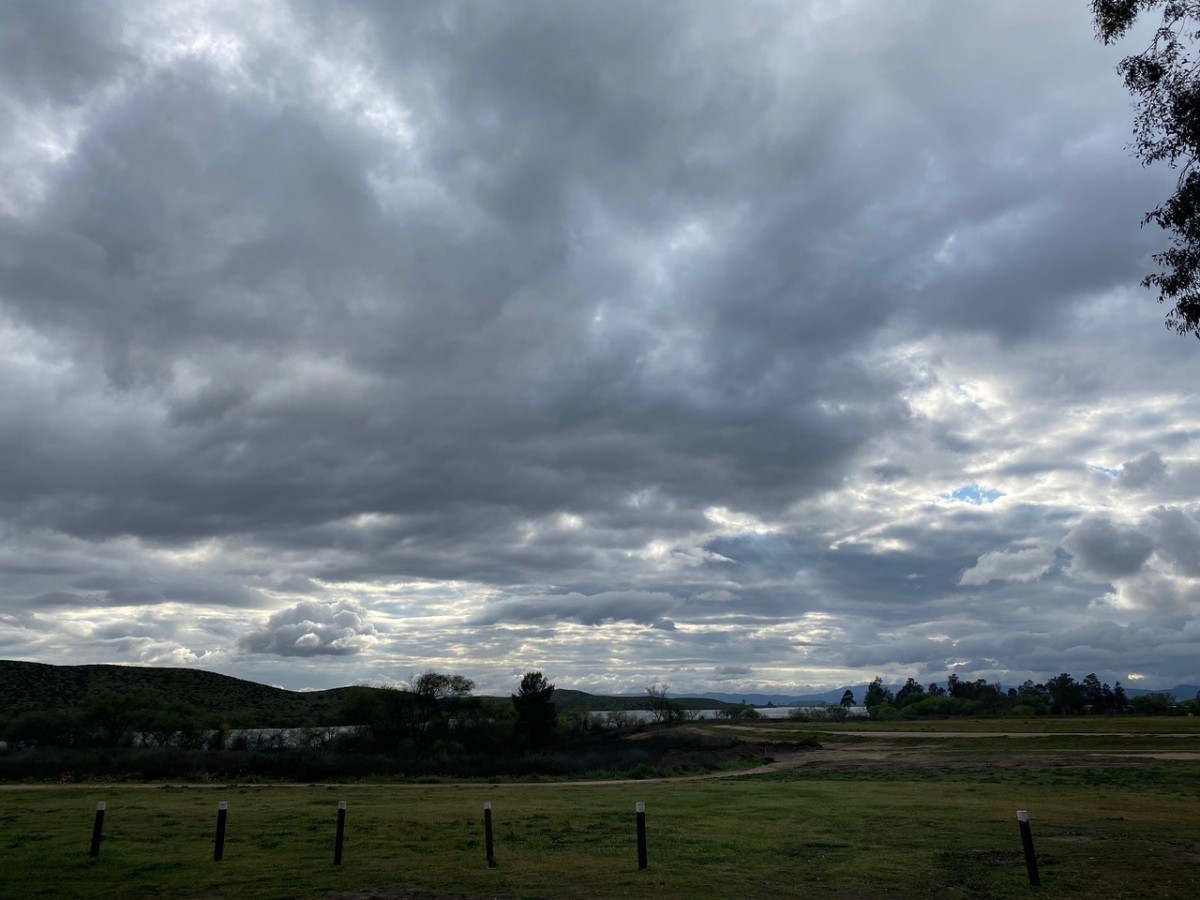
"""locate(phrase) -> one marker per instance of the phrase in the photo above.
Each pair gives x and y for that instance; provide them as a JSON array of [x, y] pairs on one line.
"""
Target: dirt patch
[[886, 755]]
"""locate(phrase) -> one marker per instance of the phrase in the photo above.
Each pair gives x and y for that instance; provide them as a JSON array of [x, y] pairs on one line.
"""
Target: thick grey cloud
[[1104, 549], [313, 628], [634, 342], [1177, 539], [59, 52], [1140, 472]]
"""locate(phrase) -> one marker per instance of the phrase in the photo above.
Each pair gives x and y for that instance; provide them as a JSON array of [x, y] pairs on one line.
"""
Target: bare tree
[[658, 703]]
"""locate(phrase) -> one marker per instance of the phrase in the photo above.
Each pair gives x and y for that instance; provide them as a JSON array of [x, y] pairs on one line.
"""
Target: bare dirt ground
[[892, 752]]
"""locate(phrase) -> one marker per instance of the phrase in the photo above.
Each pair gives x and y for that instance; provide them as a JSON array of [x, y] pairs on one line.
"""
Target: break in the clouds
[[741, 346]]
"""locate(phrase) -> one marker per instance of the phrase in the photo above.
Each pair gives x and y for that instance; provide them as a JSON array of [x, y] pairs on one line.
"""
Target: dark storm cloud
[[194, 222], [608, 315]]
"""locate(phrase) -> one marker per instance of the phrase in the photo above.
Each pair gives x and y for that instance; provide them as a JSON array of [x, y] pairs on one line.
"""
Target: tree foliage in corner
[[1165, 80]]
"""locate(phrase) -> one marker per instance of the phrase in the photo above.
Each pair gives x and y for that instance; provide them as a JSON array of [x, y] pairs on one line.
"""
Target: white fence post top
[[100, 806], [487, 805], [222, 805], [1022, 815], [341, 804], [640, 807]]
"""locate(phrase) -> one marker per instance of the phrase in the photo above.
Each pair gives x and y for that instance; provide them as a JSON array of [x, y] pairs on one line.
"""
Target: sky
[[756, 346]]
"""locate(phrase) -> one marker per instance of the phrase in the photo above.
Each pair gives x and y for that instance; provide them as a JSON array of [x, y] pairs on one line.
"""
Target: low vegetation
[[1060, 695]]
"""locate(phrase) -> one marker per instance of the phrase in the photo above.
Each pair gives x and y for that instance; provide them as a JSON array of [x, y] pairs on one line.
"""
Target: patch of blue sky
[[1104, 470], [973, 493]]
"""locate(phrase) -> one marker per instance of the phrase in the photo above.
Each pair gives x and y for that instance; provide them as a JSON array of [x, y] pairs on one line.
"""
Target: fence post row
[[487, 835], [1027, 845], [489, 844], [640, 809], [341, 833], [97, 829], [219, 845]]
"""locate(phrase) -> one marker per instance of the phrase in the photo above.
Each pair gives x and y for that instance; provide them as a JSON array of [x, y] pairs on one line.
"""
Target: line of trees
[[435, 715], [112, 719], [1061, 695]]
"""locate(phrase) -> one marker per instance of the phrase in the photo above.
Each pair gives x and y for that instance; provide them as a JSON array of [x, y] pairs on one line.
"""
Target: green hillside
[[35, 687]]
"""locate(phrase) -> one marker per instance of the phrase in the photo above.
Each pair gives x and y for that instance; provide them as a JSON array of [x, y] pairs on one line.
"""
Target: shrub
[[738, 711]]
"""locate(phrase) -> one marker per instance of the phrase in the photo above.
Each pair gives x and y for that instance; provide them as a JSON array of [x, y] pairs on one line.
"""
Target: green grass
[[1113, 832]]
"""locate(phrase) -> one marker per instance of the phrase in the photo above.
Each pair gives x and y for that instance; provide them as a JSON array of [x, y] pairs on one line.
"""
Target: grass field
[[925, 830]]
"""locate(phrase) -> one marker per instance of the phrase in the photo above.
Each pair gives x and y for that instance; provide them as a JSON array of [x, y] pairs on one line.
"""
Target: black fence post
[[1027, 844], [341, 833], [640, 808], [219, 846], [487, 835], [97, 829]]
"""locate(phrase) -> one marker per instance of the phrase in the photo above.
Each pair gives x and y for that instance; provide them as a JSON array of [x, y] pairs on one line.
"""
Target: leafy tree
[[1165, 80], [878, 694], [387, 715], [535, 709], [1030, 700], [1065, 694], [847, 699], [1091, 693], [53, 727], [1159, 703], [1120, 699], [412, 717], [112, 715], [911, 692], [954, 685], [437, 698], [168, 723], [940, 707]]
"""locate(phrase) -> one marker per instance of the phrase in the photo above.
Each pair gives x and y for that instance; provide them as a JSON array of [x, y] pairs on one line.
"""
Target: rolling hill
[[36, 687]]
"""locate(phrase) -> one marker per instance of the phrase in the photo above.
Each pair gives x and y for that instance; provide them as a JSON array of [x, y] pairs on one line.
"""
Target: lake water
[[765, 712]]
